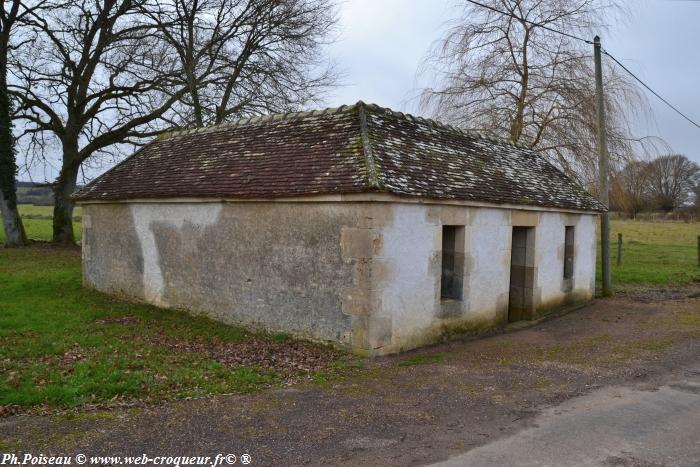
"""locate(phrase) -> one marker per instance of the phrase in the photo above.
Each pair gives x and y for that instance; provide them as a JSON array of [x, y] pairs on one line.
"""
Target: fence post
[[698, 250], [619, 249]]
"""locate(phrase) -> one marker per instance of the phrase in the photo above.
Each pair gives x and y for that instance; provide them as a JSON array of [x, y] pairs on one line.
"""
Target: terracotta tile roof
[[349, 149]]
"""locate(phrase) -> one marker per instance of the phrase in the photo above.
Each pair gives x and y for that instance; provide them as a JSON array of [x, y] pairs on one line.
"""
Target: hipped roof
[[350, 149]]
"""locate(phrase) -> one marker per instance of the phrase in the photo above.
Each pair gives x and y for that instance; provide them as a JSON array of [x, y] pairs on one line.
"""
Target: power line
[[651, 90], [540, 25]]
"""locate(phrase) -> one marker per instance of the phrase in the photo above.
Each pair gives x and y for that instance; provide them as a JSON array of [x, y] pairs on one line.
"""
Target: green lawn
[[43, 212], [655, 253], [62, 345], [37, 222]]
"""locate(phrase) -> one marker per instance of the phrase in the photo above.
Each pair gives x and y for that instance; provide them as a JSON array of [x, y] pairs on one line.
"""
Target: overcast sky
[[382, 43]]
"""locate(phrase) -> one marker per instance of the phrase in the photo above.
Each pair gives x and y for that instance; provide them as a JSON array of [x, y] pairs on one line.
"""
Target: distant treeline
[[667, 184], [39, 194]]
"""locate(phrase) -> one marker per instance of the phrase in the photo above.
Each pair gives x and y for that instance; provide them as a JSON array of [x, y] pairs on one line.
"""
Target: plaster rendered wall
[[363, 274], [408, 309], [275, 266], [552, 290]]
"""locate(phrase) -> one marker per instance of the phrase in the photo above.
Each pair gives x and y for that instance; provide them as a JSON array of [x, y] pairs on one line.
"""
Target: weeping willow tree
[[511, 76]]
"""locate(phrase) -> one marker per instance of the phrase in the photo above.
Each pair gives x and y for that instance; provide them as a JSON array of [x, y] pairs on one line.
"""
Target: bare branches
[[672, 178], [244, 57], [100, 77], [513, 77], [91, 73], [666, 183]]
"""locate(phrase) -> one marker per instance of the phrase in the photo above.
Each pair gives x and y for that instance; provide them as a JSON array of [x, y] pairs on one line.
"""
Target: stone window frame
[[569, 251], [455, 253]]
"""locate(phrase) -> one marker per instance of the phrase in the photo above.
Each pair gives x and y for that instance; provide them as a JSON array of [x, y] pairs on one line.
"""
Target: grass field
[[37, 222], [62, 345], [655, 253], [43, 212]]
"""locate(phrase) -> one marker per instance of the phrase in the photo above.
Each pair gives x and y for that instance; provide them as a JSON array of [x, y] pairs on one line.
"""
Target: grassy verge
[[422, 359], [62, 345], [659, 253]]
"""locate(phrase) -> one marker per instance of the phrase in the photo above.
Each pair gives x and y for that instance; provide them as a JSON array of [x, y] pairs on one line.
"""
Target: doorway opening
[[522, 275]]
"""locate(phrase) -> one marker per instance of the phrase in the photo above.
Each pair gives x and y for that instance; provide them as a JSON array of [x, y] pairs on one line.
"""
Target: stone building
[[370, 228]]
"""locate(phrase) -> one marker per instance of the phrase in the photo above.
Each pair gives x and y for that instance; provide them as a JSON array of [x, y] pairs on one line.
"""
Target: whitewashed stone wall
[[363, 274], [409, 295]]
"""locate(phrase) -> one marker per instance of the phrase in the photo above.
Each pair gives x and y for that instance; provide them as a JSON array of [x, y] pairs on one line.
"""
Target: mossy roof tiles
[[349, 149]]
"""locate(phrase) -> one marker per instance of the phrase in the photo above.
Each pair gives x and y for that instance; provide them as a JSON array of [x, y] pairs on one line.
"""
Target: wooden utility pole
[[602, 172]]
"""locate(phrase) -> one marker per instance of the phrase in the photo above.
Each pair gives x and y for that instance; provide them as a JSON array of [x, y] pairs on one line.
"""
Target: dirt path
[[451, 399]]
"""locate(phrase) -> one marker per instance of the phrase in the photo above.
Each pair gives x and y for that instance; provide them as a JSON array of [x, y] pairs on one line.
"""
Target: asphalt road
[[615, 426]]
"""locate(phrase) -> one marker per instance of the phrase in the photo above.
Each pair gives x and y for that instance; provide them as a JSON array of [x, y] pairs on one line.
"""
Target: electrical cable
[[639, 80]]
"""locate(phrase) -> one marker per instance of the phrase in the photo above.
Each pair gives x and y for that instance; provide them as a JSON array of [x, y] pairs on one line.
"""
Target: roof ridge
[[335, 110], [261, 119], [445, 126]]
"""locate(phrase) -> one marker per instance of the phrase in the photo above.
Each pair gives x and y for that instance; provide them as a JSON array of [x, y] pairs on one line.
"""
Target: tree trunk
[[516, 128], [63, 204], [11, 220], [12, 223]]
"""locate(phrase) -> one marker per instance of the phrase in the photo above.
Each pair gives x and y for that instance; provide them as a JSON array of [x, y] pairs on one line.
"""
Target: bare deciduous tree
[[243, 57], [110, 72], [509, 76], [95, 77], [630, 191], [672, 180]]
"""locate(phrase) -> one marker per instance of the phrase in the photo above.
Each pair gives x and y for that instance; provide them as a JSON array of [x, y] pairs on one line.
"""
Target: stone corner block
[[380, 331], [355, 301], [358, 243]]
